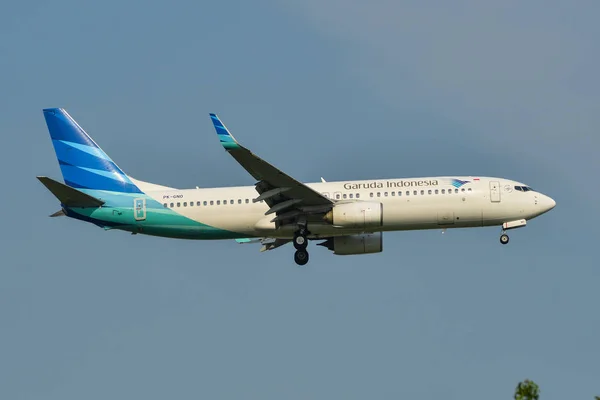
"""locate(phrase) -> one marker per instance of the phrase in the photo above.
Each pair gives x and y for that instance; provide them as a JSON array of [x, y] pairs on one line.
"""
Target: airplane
[[348, 217]]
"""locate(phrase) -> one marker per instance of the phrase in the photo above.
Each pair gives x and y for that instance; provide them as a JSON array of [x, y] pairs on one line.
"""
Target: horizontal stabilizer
[[59, 213], [68, 196]]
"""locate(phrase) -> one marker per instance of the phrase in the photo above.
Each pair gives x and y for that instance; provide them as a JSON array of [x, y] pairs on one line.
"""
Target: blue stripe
[[95, 151], [80, 178], [70, 155], [108, 174]]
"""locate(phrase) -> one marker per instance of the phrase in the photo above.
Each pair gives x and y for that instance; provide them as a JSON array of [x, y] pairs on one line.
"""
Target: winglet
[[226, 138]]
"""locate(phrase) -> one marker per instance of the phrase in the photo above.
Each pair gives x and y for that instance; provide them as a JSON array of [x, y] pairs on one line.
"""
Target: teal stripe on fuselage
[[119, 213]]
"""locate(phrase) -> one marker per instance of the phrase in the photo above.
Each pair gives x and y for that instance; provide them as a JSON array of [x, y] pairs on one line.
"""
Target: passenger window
[[443, 191], [344, 195], [218, 202], [393, 193], [357, 195], [455, 190], [165, 205], [408, 192], [469, 189], [239, 201], [198, 203], [172, 205], [204, 203], [337, 196], [415, 192], [224, 202], [429, 191], [351, 195], [385, 194], [436, 191], [422, 192], [463, 189], [371, 194], [247, 201], [178, 204], [212, 202], [191, 204], [378, 194], [399, 193], [231, 201]]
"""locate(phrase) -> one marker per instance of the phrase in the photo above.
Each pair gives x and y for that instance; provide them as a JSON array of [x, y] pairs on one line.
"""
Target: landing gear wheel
[[504, 238], [300, 240], [301, 257]]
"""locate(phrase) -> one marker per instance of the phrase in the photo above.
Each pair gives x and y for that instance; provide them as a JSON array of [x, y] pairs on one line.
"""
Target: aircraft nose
[[547, 203]]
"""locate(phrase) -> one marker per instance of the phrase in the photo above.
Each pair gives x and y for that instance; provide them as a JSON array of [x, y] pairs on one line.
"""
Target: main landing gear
[[300, 243], [504, 238]]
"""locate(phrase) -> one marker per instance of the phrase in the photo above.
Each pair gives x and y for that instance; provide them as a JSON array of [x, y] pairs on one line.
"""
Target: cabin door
[[495, 191], [139, 209]]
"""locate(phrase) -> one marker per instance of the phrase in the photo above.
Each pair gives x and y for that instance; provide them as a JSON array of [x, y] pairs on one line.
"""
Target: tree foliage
[[527, 390]]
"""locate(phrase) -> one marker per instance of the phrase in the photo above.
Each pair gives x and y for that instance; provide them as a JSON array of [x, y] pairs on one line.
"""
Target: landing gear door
[[139, 209], [495, 191]]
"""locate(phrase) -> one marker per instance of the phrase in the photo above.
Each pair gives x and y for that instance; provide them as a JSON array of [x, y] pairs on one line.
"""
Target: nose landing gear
[[520, 223]]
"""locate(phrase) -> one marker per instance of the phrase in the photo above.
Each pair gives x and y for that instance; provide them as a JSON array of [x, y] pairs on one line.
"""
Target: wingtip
[[225, 137]]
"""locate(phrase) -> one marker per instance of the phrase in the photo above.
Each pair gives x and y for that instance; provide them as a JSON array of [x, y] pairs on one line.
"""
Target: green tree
[[527, 390]]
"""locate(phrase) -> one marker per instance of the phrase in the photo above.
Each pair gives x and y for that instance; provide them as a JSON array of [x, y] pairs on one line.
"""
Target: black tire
[[504, 238], [301, 257], [300, 242]]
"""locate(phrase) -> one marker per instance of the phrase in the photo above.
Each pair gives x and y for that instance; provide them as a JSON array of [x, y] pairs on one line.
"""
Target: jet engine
[[364, 243], [356, 215]]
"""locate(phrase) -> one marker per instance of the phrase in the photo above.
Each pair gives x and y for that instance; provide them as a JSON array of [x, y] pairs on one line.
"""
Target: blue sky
[[344, 90]]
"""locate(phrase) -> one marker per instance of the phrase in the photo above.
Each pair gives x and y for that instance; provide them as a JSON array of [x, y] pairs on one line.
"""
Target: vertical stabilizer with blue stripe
[[82, 162]]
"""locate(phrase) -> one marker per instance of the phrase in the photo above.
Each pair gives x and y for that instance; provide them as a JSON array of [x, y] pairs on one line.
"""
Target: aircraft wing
[[286, 197]]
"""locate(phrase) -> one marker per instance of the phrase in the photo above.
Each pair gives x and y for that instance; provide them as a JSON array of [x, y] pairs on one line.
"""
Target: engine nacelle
[[356, 215], [364, 243]]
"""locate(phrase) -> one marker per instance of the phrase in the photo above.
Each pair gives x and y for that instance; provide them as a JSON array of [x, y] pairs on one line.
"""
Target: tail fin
[[82, 162]]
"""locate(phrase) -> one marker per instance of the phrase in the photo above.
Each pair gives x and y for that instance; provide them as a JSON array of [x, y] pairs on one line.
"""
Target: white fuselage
[[408, 204]]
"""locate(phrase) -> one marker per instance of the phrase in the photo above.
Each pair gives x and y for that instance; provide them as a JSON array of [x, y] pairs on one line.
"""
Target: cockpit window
[[523, 188]]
